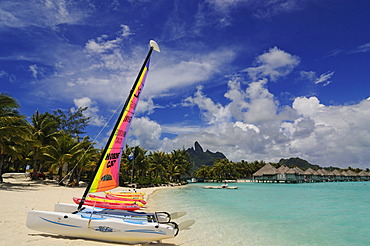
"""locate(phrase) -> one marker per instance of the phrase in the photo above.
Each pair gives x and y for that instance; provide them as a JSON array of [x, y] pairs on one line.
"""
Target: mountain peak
[[199, 157], [198, 148]]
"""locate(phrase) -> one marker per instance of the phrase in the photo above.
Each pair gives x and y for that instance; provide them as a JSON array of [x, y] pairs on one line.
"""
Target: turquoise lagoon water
[[272, 214]]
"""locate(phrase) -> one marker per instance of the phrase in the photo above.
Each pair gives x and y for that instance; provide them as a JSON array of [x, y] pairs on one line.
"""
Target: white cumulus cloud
[[91, 111], [146, 133], [273, 64]]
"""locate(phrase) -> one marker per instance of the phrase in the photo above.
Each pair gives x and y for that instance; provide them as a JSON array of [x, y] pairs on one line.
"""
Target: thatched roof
[[336, 172], [352, 173], [283, 169], [291, 171], [344, 173], [294, 170], [267, 169], [298, 170], [325, 172], [363, 174], [309, 171], [321, 172], [315, 173]]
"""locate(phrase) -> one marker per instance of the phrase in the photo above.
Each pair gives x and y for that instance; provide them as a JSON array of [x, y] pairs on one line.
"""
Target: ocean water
[[272, 214]]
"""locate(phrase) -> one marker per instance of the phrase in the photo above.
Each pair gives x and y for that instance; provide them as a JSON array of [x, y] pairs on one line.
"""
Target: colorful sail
[[107, 177], [106, 174]]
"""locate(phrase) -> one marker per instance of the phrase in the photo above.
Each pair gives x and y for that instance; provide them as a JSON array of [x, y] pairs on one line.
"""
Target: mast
[[153, 46]]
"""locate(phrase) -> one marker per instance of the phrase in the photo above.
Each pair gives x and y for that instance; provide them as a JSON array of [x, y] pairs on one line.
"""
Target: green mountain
[[199, 157], [298, 162]]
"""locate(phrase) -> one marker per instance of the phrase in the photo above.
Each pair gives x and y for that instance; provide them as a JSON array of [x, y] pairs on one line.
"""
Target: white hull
[[99, 228], [71, 208], [220, 187]]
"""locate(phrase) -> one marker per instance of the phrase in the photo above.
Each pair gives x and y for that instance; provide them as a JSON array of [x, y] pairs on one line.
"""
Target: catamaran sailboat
[[104, 224]]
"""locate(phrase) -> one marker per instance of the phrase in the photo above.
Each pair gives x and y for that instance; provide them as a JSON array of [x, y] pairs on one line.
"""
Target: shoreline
[[18, 195]]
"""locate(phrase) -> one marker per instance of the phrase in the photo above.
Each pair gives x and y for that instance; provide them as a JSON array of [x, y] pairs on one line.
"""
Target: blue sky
[[254, 79]]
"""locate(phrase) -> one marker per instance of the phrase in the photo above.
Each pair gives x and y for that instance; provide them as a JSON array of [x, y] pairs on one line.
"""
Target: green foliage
[[297, 162], [14, 135], [199, 157], [51, 142], [72, 122], [154, 168], [224, 169]]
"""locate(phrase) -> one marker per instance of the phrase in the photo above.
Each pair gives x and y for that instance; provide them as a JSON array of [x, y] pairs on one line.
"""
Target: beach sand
[[18, 195]]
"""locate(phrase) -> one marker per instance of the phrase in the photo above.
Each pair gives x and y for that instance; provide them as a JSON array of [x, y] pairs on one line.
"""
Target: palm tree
[[62, 152], [140, 164], [204, 172], [179, 164], [243, 169], [13, 129], [157, 163], [224, 169], [126, 168], [44, 129], [72, 122], [86, 159]]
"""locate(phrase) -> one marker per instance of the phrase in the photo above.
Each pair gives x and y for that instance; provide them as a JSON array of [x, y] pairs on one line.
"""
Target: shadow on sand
[[11, 184], [108, 243]]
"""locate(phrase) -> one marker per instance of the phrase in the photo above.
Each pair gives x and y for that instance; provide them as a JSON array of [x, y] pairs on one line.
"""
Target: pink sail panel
[[107, 177]]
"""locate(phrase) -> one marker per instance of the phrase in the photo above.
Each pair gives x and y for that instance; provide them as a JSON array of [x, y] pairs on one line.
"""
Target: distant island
[[209, 167], [199, 157], [298, 162]]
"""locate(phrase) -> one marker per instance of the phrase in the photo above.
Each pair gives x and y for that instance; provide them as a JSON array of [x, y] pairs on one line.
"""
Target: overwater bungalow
[[311, 175], [316, 177], [327, 176], [281, 175], [352, 175], [364, 176], [323, 175], [295, 175], [269, 173], [307, 175], [345, 176], [337, 175]]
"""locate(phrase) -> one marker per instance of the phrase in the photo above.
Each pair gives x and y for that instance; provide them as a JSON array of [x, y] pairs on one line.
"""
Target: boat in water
[[219, 187], [111, 225], [223, 186]]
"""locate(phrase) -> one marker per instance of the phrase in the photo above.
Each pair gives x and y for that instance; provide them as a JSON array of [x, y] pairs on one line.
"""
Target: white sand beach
[[19, 195]]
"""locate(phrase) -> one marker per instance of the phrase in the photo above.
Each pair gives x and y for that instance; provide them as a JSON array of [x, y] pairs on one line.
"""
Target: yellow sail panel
[[107, 177]]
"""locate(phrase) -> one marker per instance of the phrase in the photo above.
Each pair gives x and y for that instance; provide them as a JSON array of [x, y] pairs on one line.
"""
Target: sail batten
[[106, 175]]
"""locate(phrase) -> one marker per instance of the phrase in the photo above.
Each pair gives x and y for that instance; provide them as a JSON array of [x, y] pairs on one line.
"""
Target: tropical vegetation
[[52, 143], [224, 169]]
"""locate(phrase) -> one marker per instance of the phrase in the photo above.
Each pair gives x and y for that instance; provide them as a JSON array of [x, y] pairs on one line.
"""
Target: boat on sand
[[156, 216], [80, 224], [108, 205]]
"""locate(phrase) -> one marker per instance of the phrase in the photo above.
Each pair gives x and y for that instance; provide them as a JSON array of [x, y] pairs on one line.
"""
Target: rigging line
[[111, 137], [90, 146], [96, 137]]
